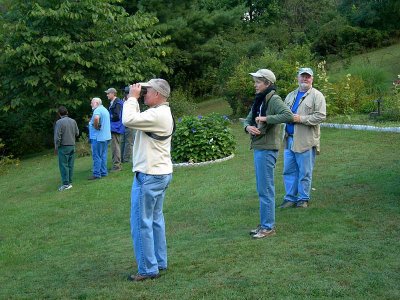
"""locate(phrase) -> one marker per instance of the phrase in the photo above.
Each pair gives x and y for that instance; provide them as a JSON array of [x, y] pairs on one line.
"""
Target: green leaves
[[73, 44], [202, 138], [65, 52]]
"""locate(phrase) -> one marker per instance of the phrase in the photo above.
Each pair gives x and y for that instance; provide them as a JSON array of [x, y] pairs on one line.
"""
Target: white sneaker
[[256, 230], [262, 233], [65, 187]]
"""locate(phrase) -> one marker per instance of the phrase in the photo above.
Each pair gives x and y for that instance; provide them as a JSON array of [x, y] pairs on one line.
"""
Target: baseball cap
[[306, 71], [111, 90], [265, 73], [160, 85]]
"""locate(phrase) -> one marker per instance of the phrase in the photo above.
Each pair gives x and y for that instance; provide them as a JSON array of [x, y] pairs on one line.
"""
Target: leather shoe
[[287, 204], [139, 277], [93, 178]]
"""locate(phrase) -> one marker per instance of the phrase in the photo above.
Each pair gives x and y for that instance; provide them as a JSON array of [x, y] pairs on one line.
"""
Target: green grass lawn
[[219, 105], [77, 244]]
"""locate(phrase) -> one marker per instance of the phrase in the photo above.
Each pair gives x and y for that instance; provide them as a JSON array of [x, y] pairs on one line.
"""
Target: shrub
[[347, 96], [374, 77], [337, 37], [391, 104], [83, 146], [354, 92], [25, 132], [239, 88], [181, 103], [202, 138], [6, 160]]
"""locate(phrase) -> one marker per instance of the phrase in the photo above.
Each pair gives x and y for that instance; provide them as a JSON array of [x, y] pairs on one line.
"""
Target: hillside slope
[[387, 58]]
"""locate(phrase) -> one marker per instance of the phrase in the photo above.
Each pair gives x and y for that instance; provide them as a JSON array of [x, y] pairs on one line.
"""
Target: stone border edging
[[204, 162], [361, 127]]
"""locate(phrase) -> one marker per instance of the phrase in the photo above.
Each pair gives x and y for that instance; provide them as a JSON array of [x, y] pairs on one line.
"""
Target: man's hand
[[253, 130], [55, 151], [134, 90], [296, 118]]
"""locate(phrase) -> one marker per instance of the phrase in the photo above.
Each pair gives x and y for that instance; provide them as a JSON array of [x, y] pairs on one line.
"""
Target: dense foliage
[[6, 160], [62, 53], [202, 138], [65, 52]]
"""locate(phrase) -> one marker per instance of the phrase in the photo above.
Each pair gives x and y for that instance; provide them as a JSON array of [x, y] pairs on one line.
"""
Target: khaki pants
[[127, 143], [116, 150]]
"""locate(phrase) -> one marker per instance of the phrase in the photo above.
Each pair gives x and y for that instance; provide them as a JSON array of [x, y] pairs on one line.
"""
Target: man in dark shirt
[[117, 128], [65, 132]]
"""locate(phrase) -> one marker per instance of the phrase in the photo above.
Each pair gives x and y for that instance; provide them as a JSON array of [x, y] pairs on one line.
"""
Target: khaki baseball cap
[[160, 85], [265, 73]]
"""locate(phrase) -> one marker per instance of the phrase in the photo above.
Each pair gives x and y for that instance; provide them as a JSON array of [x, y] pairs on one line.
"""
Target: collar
[[161, 104]]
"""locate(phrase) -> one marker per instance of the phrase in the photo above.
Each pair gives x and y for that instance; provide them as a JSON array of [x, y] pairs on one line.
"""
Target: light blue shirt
[[104, 134]]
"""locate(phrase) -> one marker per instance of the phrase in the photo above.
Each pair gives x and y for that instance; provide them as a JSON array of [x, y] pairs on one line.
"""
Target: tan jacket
[[150, 156], [312, 111]]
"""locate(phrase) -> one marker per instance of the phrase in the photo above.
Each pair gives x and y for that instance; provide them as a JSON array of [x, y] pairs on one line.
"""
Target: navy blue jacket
[[116, 116]]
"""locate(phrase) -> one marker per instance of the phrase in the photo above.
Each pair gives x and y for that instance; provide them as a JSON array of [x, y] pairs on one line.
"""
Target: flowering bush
[[350, 93], [391, 104], [202, 138]]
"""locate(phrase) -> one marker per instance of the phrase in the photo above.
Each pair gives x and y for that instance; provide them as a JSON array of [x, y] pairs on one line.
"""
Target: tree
[[196, 28], [64, 52], [377, 14]]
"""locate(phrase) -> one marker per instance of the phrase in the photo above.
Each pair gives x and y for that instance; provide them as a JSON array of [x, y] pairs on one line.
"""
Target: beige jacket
[[150, 156], [312, 111]]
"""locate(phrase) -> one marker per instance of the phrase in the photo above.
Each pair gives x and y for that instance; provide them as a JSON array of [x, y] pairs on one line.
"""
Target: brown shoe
[[287, 204], [262, 233], [302, 204], [139, 277]]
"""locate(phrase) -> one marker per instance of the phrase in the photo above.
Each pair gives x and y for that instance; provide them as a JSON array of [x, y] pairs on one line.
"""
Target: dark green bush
[[6, 160], [202, 138], [26, 131], [338, 37]]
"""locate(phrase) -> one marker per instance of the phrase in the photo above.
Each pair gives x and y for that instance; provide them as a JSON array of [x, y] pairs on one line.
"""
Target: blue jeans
[[99, 154], [297, 173], [147, 222], [264, 165]]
